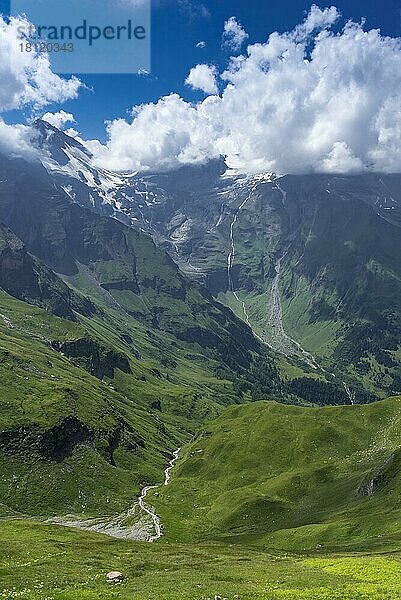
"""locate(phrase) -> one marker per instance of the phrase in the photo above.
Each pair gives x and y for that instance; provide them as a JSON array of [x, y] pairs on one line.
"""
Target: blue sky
[[177, 26]]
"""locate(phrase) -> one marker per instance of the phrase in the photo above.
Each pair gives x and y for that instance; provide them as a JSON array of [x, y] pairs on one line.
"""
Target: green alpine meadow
[[200, 301]]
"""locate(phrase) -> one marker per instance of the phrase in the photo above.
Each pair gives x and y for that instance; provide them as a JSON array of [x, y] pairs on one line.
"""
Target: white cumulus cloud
[[26, 78], [234, 35], [316, 19], [169, 133], [58, 119], [16, 140], [203, 77], [27, 81], [310, 100]]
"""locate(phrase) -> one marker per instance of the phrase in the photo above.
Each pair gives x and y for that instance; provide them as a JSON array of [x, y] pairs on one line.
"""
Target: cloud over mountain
[[310, 100], [27, 81], [16, 140], [59, 119]]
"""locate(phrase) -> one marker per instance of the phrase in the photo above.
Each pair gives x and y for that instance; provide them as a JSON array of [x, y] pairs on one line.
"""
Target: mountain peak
[[57, 143]]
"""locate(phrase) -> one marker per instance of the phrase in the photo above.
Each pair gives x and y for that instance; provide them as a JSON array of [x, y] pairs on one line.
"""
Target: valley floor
[[47, 562]]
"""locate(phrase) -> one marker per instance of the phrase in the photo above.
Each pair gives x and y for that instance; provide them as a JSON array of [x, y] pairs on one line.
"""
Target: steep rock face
[[98, 360], [382, 477], [25, 278], [57, 144], [61, 441], [55, 443]]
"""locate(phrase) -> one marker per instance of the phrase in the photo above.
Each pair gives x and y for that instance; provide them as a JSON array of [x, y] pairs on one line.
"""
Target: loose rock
[[114, 577]]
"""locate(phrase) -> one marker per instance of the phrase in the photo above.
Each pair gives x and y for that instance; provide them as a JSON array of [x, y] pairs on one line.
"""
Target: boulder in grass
[[114, 577]]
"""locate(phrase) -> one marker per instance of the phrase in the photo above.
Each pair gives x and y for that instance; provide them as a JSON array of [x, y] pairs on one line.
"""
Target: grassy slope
[[288, 477], [171, 390], [41, 388], [39, 562]]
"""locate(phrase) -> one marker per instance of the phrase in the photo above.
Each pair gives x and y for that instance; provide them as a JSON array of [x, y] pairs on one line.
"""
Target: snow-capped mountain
[[179, 208], [175, 208]]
